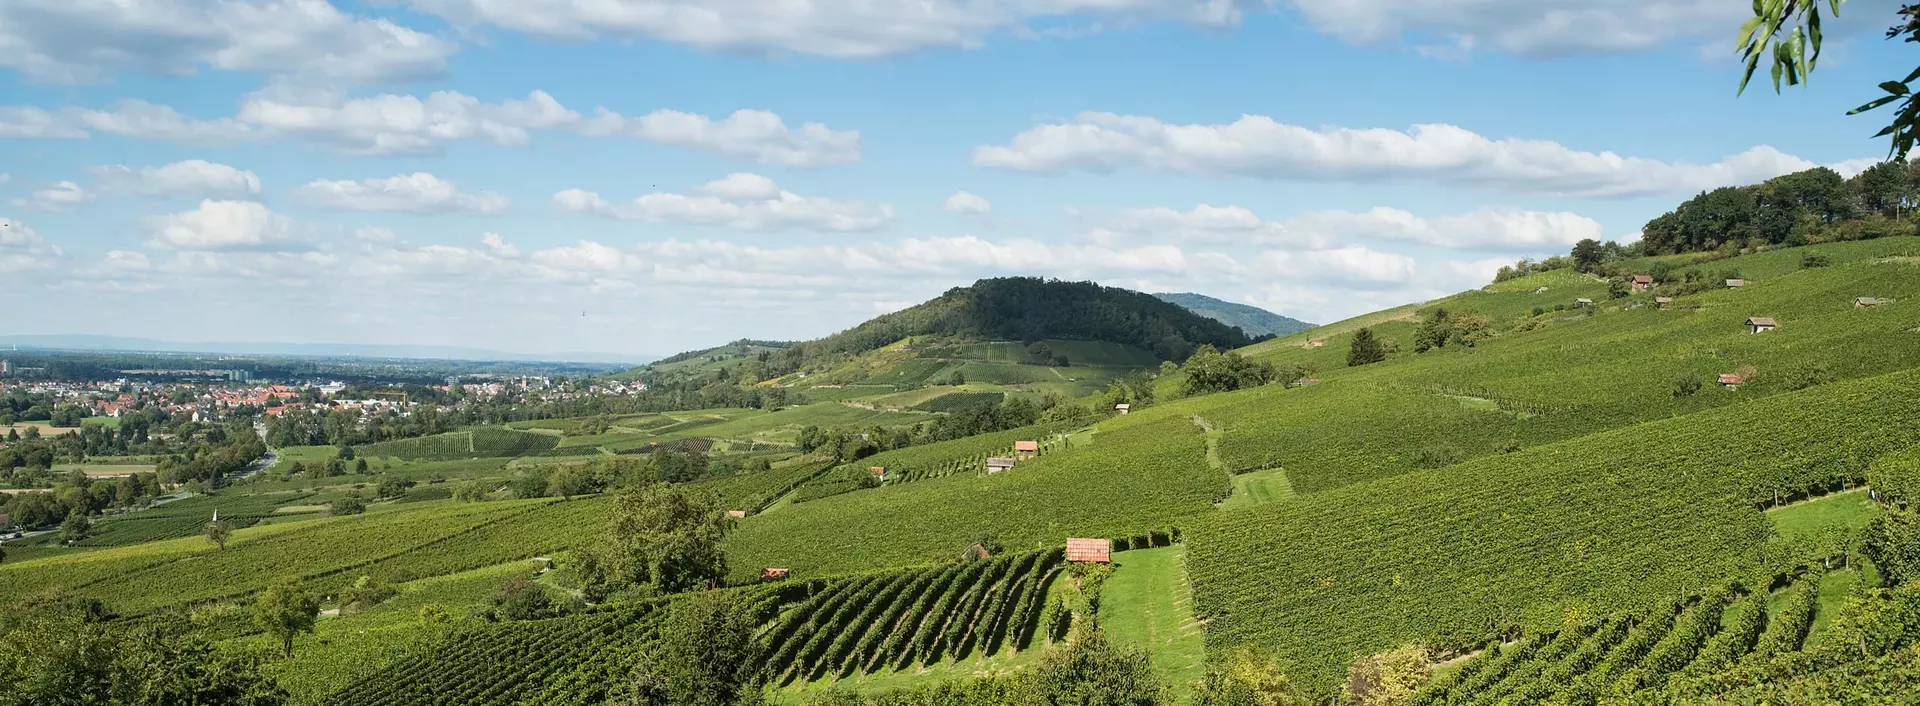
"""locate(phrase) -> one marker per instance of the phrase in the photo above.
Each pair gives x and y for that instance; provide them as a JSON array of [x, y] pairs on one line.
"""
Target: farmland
[[1665, 513]]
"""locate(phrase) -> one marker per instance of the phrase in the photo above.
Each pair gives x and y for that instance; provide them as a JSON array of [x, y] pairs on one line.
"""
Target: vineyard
[[940, 460], [480, 442], [1570, 378], [1672, 649], [897, 619], [191, 569], [187, 518], [1149, 476], [753, 492], [504, 664], [956, 401], [1602, 523]]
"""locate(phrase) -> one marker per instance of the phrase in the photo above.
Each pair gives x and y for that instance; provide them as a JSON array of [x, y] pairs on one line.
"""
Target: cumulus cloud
[[835, 28], [59, 198], [965, 203], [194, 176], [1491, 229], [223, 226], [1258, 146], [22, 249], [419, 192], [401, 124], [753, 135], [71, 41], [739, 201], [1529, 27]]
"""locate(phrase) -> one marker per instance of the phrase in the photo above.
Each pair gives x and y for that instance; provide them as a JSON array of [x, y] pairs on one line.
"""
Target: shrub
[[1685, 386], [1439, 456], [350, 505], [1815, 260]]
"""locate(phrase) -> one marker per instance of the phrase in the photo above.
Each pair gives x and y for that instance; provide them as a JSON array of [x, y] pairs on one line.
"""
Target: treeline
[[1812, 206]]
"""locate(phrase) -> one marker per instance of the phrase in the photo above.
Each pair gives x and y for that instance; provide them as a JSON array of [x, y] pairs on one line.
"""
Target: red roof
[[1643, 279], [1731, 379], [1026, 446], [1097, 550]]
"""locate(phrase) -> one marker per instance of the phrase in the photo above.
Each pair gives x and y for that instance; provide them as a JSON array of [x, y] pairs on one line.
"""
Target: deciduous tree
[[285, 610]]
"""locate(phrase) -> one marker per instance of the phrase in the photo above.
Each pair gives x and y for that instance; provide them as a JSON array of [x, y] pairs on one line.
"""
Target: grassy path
[[1148, 604], [1262, 486]]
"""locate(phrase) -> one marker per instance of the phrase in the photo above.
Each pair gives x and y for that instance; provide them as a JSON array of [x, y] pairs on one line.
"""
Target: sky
[[649, 176]]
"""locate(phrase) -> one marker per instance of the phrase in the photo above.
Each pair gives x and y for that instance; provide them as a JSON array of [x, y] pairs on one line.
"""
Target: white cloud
[[755, 135], [419, 192], [1529, 27], [498, 246], [1356, 267], [738, 201], [1492, 229], [836, 28], [22, 249], [30, 122], [401, 124], [59, 198], [584, 256], [965, 203], [223, 225], [193, 176], [1259, 146], [68, 41]]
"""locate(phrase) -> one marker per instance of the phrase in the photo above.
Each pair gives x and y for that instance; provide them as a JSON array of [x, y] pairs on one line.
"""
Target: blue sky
[[648, 176]]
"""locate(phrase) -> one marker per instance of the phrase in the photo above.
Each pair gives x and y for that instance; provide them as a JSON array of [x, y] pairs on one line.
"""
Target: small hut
[[998, 464], [1663, 301], [1024, 450], [1866, 301], [1583, 301], [1642, 283], [1736, 283], [1122, 408], [737, 514], [1098, 551], [1761, 324], [1541, 290], [771, 574], [879, 473], [1731, 379]]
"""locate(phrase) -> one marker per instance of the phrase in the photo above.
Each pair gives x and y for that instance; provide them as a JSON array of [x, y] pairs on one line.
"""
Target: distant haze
[[1254, 320], [361, 350]]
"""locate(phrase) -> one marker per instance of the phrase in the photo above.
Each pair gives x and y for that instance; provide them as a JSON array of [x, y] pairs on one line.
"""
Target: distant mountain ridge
[[355, 350], [1254, 320]]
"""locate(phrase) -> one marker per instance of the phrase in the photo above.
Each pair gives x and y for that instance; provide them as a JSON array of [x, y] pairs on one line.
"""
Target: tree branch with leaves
[[1787, 34]]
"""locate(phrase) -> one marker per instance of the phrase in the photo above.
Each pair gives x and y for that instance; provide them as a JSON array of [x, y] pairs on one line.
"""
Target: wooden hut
[[1761, 324], [1098, 551]]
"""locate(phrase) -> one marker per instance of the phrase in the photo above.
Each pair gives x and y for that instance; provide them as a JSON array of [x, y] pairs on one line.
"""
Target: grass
[[1836, 587], [1258, 487], [98, 470], [1848, 511], [1148, 604]]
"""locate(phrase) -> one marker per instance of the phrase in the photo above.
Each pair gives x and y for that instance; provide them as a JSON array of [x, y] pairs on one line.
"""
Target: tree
[[76, 527], [219, 532], [1795, 54], [706, 656], [1366, 349], [350, 505], [1242, 678], [1209, 370], [520, 599], [1089, 670], [365, 593], [1387, 678], [360, 466], [285, 610], [167, 665], [1587, 255], [661, 536]]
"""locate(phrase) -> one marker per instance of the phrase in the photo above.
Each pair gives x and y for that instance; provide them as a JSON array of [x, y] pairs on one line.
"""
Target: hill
[[1253, 320], [1528, 499]]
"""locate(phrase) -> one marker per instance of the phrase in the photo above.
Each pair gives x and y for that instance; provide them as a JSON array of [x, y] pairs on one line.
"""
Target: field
[[1163, 482], [1492, 542], [1148, 604]]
